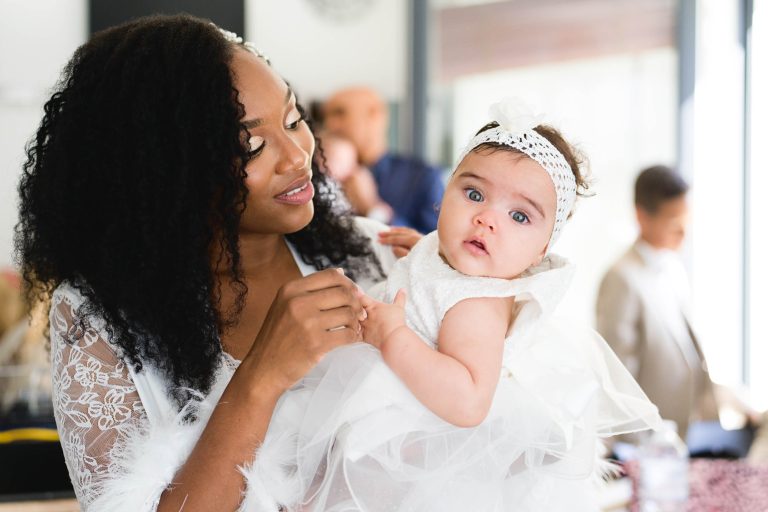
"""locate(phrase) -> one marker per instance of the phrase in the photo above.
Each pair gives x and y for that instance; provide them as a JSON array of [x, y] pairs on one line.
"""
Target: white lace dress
[[123, 439], [353, 438]]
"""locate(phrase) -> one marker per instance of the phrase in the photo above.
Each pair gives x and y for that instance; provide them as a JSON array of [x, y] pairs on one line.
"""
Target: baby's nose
[[487, 219]]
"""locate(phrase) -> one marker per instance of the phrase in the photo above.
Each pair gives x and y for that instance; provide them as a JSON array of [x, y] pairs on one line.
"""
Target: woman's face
[[280, 144]]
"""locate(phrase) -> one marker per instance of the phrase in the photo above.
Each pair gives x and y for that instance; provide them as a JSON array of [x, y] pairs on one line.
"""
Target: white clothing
[[123, 439], [669, 275], [643, 311], [351, 437]]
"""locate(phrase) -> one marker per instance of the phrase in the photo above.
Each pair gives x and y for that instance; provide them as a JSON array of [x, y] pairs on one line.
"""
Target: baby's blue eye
[[519, 217], [473, 195]]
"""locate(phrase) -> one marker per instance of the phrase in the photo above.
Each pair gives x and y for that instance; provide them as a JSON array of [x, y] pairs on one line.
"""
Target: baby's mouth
[[477, 244]]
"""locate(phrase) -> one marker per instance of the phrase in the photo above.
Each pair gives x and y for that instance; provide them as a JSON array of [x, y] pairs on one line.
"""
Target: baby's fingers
[[367, 301], [400, 298]]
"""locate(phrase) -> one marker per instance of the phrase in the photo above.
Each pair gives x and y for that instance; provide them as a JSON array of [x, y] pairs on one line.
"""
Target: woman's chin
[[306, 214], [297, 218], [284, 221]]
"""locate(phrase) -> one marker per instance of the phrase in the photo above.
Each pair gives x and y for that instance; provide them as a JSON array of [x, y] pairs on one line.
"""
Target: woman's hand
[[308, 318], [383, 319], [401, 239]]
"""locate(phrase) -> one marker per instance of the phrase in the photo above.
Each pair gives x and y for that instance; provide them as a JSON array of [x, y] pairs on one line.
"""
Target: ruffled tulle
[[352, 437], [362, 441]]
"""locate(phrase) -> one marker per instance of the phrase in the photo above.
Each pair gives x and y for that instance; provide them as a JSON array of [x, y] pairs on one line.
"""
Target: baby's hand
[[383, 319]]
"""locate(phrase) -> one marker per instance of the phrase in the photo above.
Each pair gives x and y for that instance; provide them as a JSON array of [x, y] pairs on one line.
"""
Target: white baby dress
[[351, 437]]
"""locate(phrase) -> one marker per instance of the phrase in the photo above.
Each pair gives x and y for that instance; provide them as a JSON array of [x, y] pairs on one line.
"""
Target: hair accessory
[[516, 130], [236, 39]]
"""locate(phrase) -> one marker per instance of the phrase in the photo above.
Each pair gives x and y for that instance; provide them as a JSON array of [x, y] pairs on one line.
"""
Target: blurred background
[[632, 82]]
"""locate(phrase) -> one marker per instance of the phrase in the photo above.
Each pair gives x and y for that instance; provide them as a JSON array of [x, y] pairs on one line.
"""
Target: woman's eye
[[255, 145], [519, 217], [473, 195], [292, 125]]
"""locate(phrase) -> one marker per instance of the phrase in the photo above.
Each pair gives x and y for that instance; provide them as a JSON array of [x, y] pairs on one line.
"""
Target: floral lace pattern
[[95, 399], [97, 405]]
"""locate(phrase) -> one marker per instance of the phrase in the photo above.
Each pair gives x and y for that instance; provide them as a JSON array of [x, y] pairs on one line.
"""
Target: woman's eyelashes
[[297, 117], [256, 144]]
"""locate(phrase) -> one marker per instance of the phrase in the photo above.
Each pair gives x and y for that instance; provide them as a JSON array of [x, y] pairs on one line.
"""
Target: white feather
[[271, 480], [145, 460]]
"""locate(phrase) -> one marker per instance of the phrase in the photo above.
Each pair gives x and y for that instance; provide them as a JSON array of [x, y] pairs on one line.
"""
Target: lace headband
[[516, 130]]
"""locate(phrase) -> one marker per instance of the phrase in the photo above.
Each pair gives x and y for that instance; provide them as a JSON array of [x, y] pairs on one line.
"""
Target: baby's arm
[[456, 382]]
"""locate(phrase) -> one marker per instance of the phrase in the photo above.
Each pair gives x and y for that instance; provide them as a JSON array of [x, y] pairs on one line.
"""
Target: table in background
[[718, 485], [69, 505]]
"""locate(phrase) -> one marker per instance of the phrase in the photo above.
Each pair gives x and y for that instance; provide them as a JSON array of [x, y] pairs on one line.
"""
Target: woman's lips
[[299, 193]]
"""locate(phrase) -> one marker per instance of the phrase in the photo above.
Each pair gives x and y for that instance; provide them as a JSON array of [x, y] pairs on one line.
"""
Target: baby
[[470, 395]]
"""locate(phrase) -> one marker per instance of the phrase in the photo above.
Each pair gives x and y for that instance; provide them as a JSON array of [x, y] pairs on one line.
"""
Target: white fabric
[[361, 441], [642, 317], [123, 440], [670, 276], [516, 130]]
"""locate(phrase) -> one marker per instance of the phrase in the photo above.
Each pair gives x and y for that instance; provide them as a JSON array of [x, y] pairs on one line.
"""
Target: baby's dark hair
[[576, 160]]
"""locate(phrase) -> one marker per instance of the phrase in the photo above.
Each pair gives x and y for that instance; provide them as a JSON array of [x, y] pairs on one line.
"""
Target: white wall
[[620, 111], [319, 55], [37, 38]]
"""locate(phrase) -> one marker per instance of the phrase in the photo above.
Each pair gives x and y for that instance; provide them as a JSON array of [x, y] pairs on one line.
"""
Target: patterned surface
[[721, 486]]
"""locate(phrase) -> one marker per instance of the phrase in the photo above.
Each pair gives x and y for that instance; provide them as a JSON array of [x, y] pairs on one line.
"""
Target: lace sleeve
[[95, 400]]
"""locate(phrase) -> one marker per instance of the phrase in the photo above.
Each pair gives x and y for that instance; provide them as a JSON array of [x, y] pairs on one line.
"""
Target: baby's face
[[497, 215]]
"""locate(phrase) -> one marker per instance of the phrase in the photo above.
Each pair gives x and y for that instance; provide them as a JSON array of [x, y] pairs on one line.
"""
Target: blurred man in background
[[410, 189], [643, 309], [643, 312]]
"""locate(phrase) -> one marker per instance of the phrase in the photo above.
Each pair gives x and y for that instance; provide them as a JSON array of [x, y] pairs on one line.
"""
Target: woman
[[169, 207]]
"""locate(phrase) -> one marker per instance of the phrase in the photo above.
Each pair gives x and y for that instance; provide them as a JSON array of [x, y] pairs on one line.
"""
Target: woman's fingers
[[336, 297], [339, 337], [309, 317], [339, 318], [320, 280]]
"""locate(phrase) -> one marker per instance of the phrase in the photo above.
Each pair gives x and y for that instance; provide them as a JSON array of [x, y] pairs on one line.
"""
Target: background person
[[643, 309], [356, 181], [409, 186]]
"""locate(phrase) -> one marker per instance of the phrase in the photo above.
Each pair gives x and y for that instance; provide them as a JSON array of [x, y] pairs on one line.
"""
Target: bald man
[[410, 187]]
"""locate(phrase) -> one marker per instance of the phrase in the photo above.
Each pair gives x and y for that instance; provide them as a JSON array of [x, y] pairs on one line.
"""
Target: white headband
[[236, 39], [516, 130]]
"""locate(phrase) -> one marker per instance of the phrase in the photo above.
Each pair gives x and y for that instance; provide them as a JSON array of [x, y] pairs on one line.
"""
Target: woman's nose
[[293, 156], [487, 219]]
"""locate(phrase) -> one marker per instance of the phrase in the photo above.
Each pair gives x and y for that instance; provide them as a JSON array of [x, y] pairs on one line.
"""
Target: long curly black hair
[[136, 172]]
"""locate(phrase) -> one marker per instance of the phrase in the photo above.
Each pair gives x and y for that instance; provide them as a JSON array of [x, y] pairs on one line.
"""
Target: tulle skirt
[[352, 437]]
